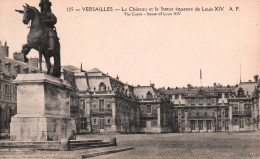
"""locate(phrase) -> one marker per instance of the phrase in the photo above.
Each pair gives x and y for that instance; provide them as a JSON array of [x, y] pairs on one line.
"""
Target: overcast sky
[[169, 51]]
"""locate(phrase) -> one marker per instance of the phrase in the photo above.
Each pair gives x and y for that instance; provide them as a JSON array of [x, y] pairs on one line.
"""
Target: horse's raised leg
[[48, 63], [25, 50]]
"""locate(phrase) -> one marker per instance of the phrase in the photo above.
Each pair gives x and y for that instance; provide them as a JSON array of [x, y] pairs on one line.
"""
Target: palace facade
[[217, 108]]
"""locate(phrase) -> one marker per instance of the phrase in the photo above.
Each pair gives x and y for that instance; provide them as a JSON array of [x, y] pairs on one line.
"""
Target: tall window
[[102, 87], [192, 124], [149, 109], [209, 124], [240, 106], [101, 105], [83, 104], [200, 125], [241, 122], [209, 101], [182, 113], [188, 101], [226, 112], [83, 123], [176, 113], [193, 101], [226, 125], [149, 95], [7, 89]]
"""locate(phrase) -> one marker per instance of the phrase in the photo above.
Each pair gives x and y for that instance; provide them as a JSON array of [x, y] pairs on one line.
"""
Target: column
[[87, 112], [196, 125], [230, 119], [159, 116], [113, 105], [204, 126]]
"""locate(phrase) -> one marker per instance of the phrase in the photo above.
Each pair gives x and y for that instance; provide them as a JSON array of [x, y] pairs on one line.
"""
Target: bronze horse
[[37, 39]]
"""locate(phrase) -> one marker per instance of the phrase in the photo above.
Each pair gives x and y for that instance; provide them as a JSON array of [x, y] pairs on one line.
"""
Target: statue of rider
[[49, 20]]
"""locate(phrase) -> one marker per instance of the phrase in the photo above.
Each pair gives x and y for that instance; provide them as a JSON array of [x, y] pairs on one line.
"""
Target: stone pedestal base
[[41, 128]]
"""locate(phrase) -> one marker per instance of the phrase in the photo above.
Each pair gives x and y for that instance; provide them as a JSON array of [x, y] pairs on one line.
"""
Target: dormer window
[[240, 92], [17, 68], [149, 95], [102, 87], [8, 66], [26, 70]]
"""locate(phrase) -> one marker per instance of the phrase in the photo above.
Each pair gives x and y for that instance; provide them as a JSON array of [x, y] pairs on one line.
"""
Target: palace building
[[101, 103]]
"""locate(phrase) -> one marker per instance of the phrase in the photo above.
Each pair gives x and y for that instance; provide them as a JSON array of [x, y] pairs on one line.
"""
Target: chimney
[[4, 50], [152, 84], [18, 56], [117, 77], [215, 84], [256, 77], [189, 86]]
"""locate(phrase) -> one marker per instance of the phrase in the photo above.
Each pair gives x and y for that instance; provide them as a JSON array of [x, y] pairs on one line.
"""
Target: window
[[83, 123], [192, 101], [192, 124], [176, 113], [101, 105], [108, 106], [213, 101], [102, 87], [149, 110], [226, 125], [7, 89], [241, 122], [182, 113], [226, 112], [209, 124], [94, 121], [240, 106], [149, 95], [209, 101], [200, 101], [226, 95], [188, 102], [83, 104], [200, 125], [108, 121], [176, 96]]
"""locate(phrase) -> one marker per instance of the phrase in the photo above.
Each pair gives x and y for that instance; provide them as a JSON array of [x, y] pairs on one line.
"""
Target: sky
[[168, 51]]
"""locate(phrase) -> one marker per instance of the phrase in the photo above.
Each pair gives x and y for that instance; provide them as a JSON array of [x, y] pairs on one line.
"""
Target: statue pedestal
[[43, 109]]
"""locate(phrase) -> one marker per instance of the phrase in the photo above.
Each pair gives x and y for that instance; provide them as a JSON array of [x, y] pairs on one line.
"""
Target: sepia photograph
[[129, 79]]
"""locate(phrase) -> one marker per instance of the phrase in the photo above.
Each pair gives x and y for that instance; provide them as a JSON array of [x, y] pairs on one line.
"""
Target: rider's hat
[[44, 2]]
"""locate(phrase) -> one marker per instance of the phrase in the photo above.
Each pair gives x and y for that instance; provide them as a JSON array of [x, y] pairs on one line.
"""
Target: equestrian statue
[[42, 36]]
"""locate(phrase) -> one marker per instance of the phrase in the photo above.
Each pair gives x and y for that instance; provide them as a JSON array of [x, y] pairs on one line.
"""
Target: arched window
[[149, 95], [102, 87], [240, 92]]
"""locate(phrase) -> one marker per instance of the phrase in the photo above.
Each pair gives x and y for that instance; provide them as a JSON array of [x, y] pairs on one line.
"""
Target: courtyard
[[189, 145], [168, 145]]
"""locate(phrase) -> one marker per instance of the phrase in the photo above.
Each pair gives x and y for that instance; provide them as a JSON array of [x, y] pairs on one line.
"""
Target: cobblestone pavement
[[189, 145]]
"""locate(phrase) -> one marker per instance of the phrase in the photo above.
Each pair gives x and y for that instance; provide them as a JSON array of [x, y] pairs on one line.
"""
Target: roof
[[94, 70], [248, 87], [12, 70], [207, 90], [71, 68]]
